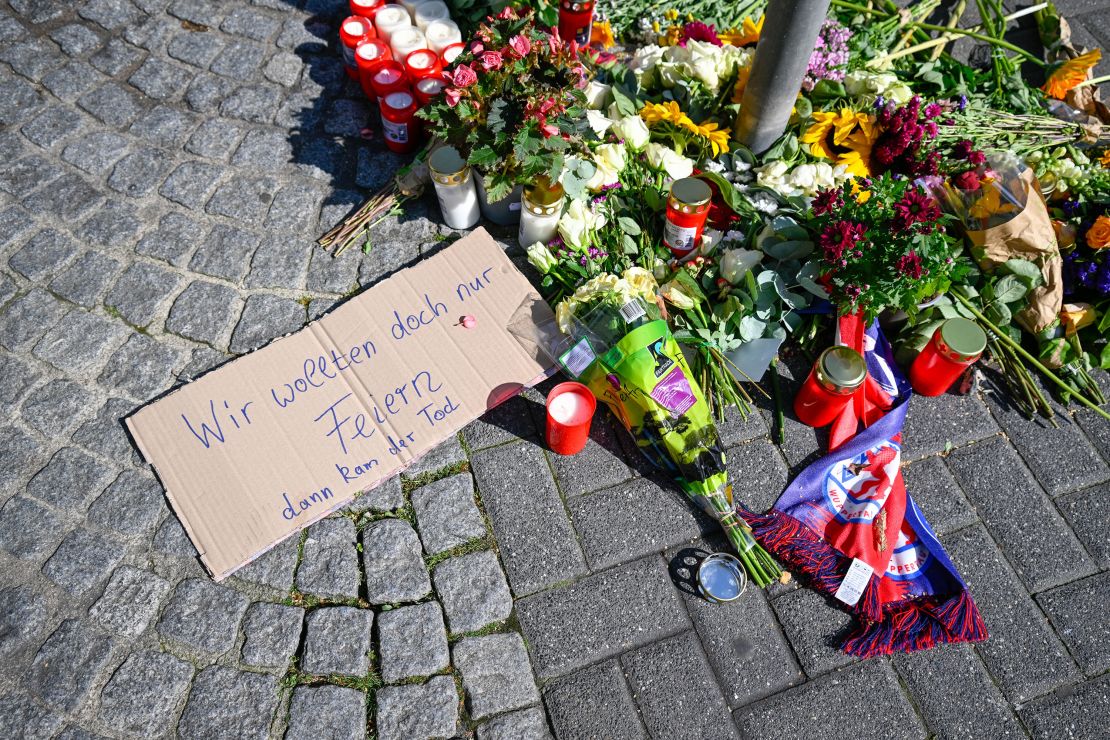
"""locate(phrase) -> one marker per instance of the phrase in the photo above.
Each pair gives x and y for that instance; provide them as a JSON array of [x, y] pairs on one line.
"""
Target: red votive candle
[[576, 20], [370, 55], [836, 375], [956, 344], [451, 52], [388, 78], [352, 32], [422, 63], [687, 209], [570, 408], [366, 8], [427, 88], [399, 123]]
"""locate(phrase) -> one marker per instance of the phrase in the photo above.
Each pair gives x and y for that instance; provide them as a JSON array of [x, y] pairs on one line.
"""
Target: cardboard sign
[[273, 441]]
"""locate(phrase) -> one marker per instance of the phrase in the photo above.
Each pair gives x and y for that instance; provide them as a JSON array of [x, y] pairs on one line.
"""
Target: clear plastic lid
[[398, 100]]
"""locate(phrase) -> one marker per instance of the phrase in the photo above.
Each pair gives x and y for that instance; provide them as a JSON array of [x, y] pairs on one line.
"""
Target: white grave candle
[[570, 409], [410, 6], [441, 34], [391, 19], [541, 207], [458, 199], [406, 40], [427, 12]]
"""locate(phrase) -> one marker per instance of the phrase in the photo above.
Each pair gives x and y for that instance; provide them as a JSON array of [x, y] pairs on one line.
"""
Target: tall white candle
[[432, 10], [541, 205], [389, 20], [410, 6], [441, 34], [454, 183], [406, 40]]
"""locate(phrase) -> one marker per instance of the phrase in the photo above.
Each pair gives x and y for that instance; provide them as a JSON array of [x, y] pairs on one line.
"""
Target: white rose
[[900, 93], [634, 132], [736, 263], [609, 159], [645, 58], [803, 177], [541, 258], [577, 223], [599, 123], [704, 62], [674, 164], [773, 175], [597, 95]]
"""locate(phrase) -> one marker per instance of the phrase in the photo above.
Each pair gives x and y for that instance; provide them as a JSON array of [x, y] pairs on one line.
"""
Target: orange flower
[[1104, 160], [1098, 236], [602, 35], [742, 75], [748, 33], [1069, 74]]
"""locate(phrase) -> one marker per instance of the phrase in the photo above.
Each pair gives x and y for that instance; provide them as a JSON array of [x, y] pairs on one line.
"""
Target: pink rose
[[464, 76], [507, 14], [453, 96], [490, 60], [476, 47], [521, 45]]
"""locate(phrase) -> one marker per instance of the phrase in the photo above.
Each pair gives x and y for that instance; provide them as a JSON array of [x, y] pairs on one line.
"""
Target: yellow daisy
[[718, 137], [1069, 74], [653, 113], [748, 33]]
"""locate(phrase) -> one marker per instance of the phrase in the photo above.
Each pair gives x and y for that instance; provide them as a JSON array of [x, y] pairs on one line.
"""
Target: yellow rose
[[1075, 316], [1098, 236], [673, 294], [641, 282], [564, 313]]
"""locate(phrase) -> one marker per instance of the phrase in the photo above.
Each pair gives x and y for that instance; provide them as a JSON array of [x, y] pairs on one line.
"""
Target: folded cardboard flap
[[273, 441]]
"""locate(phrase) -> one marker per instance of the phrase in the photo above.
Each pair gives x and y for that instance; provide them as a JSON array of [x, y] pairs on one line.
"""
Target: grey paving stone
[[594, 702], [251, 23], [346, 117], [279, 262], [758, 474], [96, 152], [284, 69], [203, 616], [1013, 506], [76, 733], [737, 429], [24, 176], [376, 168], [36, 12], [105, 433], [955, 694], [174, 239], [429, 710], [204, 312], [68, 664], [675, 672], [264, 150], [297, 34], [27, 318], [320, 306], [18, 454], [70, 480], [273, 633], [393, 563], [302, 110], [623, 523], [337, 640], [52, 126], [328, 274], [446, 514], [87, 279], [197, 49], [329, 568], [1097, 428], [225, 253], [1076, 610], [1079, 712], [151, 34], [792, 713], [1086, 511], [815, 628], [225, 702], [141, 368], [111, 103], [143, 694], [132, 505], [387, 496], [110, 13], [413, 642], [68, 83], [496, 674], [160, 79], [196, 11], [23, 616], [239, 60], [935, 422], [21, 717], [938, 495], [506, 422], [296, 209], [81, 342], [31, 58], [16, 223], [28, 530], [801, 444], [16, 378], [534, 536], [599, 465], [266, 317], [83, 561], [56, 407], [140, 172], [11, 29], [19, 101], [172, 539], [273, 568], [206, 92], [192, 183], [599, 616], [525, 724], [1022, 653], [164, 126], [327, 711], [254, 103], [473, 591]]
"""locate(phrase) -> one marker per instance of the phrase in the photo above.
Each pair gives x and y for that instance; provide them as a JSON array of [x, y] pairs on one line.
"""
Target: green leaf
[[1009, 288], [484, 156], [999, 314], [1025, 269], [494, 120], [624, 104], [630, 227], [791, 250], [751, 328], [1104, 358], [629, 245]]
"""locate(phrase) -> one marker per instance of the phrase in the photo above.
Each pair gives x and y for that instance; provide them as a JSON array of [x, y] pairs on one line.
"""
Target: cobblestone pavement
[[164, 168]]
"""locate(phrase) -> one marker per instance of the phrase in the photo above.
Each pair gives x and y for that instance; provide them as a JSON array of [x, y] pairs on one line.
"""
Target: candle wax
[[451, 53], [570, 409], [369, 52], [354, 28], [421, 60], [387, 76], [430, 86]]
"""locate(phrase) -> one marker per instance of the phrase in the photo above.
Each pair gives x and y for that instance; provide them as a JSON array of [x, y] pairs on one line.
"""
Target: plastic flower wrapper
[[987, 195], [620, 347]]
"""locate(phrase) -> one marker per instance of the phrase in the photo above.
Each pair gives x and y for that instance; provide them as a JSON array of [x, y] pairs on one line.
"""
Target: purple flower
[[962, 104], [830, 55]]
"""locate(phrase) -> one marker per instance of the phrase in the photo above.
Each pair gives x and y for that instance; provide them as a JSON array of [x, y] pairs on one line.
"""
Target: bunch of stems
[[357, 226], [761, 567], [1024, 391], [1022, 133]]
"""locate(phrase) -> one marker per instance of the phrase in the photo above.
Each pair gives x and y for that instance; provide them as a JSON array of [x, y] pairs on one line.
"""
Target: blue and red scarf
[[852, 504]]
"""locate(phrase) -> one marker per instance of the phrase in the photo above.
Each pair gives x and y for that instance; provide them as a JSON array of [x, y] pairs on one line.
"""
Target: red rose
[[968, 180]]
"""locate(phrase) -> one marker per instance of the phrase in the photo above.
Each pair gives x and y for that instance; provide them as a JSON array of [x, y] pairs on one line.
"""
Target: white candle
[[458, 199], [569, 409], [410, 6], [427, 12], [441, 34], [452, 52], [405, 41], [391, 19], [541, 205]]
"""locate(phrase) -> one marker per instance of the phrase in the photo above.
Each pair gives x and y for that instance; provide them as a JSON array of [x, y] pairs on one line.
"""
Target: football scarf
[[848, 525]]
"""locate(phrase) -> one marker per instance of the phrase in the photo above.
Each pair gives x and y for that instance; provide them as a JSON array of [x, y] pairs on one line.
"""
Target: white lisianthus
[[610, 160], [541, 258], [598, 122], [634, 132], [773, 175], [577, 223], [664, 158], [597, 95]]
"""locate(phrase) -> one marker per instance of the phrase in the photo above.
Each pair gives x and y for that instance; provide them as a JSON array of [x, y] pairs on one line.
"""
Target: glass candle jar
[[427, 88], [576, 20], [399, 123], [389, 78], [406, 40], [370, 55], [410, 6], [352, 32], [451, 52], [541, 206], [366, 8], [390, 19], [441, 34], [837, 374], [956, 344], [687, 209], [422, 63], [458, 199], [429, 11]]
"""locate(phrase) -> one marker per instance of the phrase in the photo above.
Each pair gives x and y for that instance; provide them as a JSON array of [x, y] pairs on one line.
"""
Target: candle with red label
[[352, 32], [687, 209], [389, 78], [451, 52], [956, 344], [441, 34], [370, 55], [427, 88], [422, 63], [390, 19], [366, 8], [576, 20], [399, 122], [837, 374]]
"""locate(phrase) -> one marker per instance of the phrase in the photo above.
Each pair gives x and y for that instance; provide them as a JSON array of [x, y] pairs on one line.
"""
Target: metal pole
[[781, 60]]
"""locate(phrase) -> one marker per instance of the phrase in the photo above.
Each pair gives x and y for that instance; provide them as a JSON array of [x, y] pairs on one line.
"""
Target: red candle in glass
[[388, 78], [422, 63], [687, 210], [576, 20], [370, 55], [836, 375], [399, 121], [352, 32], [570, 409], [451, 52], [366, 8], [956, 344], [427, 88]]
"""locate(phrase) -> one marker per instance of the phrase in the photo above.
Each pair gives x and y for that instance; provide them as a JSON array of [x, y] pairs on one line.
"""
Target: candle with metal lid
[[541, 206], [399, 124], [837, 374], [956, 344], [687, 209], [352, 32]]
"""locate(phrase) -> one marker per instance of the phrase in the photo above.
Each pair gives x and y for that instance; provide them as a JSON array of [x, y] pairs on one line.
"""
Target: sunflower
[[858, 157], [742, 75], [718, 137], [602, 35], [748, 33], [853, 134], [654, 113], [1069, 74]]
